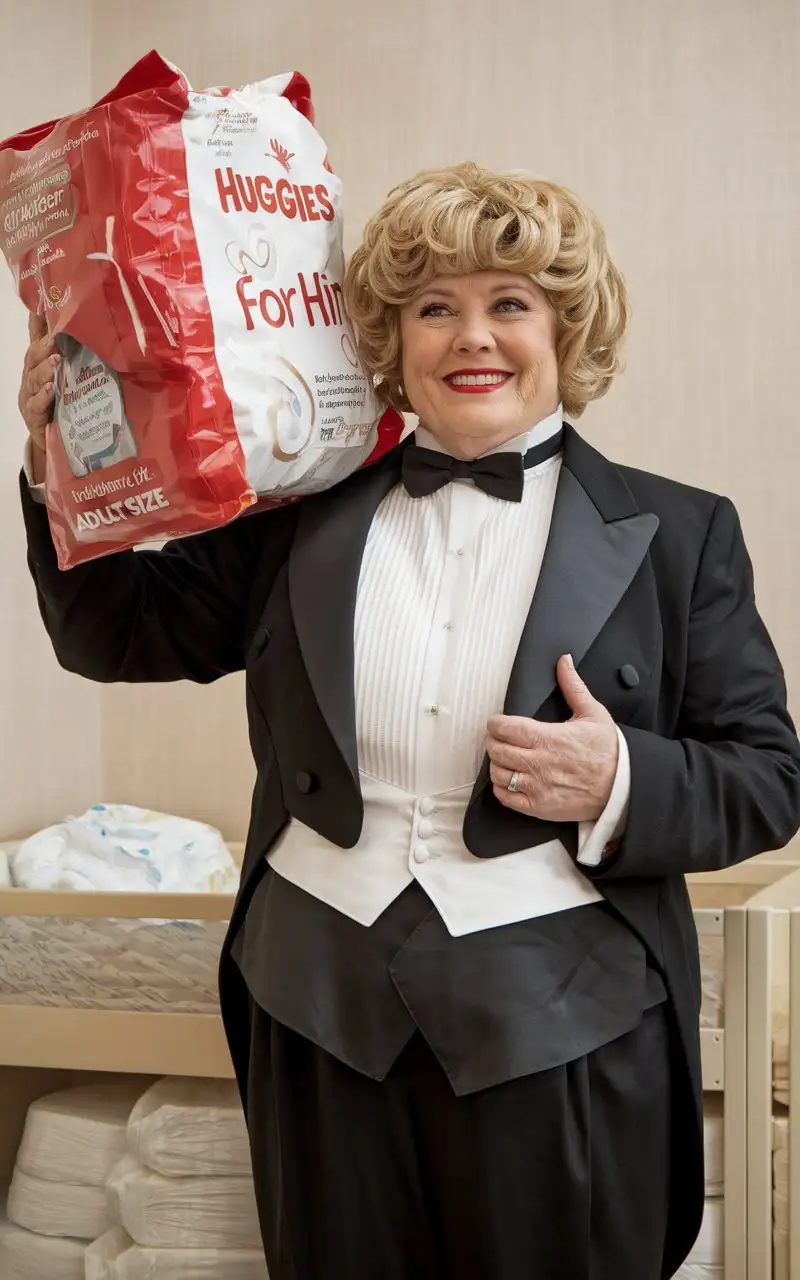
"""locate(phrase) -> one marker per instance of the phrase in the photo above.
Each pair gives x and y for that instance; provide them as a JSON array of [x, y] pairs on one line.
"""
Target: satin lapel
[[598, 540], [324, 567]]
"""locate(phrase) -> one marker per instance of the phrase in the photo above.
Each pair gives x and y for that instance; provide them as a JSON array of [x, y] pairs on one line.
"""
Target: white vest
[[408, 837], [445, 587]]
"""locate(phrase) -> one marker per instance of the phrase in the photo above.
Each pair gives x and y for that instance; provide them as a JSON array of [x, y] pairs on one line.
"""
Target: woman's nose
[[473, 334]]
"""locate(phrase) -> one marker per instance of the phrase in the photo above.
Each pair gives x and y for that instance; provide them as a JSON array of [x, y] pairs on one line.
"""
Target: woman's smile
[[477, 381]]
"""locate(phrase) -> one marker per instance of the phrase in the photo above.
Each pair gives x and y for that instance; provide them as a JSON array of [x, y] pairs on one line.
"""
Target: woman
[[503, 694]]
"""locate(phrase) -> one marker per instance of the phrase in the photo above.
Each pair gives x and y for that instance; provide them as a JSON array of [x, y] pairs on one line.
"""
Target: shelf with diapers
[[111, 927]]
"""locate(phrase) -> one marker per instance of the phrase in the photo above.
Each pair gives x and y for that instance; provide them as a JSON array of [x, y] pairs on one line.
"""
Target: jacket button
[[260, 641], [629, 676], [306, 783]]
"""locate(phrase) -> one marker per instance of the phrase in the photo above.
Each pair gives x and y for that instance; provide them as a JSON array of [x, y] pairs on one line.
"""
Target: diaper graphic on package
[[89, 411]]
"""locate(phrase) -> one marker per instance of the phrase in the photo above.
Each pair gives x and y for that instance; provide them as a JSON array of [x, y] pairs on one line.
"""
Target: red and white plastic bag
[[186, 250]]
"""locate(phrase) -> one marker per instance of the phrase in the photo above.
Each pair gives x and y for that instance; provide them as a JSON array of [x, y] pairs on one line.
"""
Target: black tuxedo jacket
[[647, 583]]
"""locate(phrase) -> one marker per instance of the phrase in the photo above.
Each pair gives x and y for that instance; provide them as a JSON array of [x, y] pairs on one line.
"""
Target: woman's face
[[479, 359]]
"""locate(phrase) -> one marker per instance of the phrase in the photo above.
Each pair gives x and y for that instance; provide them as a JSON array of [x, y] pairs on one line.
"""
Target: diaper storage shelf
[[112, 982]]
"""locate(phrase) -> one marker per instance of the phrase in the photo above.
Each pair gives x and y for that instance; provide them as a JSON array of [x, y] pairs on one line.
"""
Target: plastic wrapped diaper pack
[[189, 1128], [185, 249], [115, 1257], [79, 1135], [183, 1213], [26, 1256], [57, 1208]]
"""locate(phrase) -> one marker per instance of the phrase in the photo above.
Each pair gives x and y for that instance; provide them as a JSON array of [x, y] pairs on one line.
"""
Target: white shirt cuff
[[594, 837], [37, 490]]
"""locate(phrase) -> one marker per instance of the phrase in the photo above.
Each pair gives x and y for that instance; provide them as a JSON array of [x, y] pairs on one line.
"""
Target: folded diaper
[[127, 849]]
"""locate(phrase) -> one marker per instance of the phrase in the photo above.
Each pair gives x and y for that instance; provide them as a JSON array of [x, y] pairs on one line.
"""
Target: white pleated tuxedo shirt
[[445, 587]]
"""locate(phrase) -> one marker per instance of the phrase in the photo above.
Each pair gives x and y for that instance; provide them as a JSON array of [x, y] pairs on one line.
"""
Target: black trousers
[[562, 1175]]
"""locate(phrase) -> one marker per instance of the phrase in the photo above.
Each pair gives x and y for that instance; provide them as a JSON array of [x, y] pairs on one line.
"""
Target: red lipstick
[[498, 378]]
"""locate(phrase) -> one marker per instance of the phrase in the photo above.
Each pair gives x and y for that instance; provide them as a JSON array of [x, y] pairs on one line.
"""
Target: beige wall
[[49, 721], [677, 121]]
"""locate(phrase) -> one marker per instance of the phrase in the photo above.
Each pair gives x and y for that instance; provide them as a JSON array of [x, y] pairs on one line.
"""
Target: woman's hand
[[36, 389], [566, 771]]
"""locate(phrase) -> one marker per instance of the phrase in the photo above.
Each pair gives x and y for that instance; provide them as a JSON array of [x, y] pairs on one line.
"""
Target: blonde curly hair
[[463, 219]]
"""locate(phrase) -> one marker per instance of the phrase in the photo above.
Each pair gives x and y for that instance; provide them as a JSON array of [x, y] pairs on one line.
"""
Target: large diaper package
[[24, 1255], [185, 249], [185, 1128], [57, 1208], [115, 1257], [79, 1135], [182, 1213]]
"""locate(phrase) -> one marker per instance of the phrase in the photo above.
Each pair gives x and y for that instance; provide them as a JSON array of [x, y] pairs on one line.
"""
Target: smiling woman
[[510, 273], [503, 695]]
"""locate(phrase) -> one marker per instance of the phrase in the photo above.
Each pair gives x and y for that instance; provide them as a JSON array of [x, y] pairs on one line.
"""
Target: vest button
[[425, 829], [629, 676], [306, 783], [426, 806], [421, 854]]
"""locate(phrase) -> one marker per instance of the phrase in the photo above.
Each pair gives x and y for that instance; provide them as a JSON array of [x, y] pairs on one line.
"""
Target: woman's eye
[[503, 306]]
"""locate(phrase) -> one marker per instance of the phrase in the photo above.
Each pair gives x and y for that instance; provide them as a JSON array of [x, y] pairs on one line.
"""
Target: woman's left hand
[[566, 771]]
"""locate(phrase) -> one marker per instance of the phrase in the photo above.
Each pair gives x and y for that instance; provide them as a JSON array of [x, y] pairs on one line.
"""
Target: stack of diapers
[[57, 1200], [182, 1198], [707, 1259]]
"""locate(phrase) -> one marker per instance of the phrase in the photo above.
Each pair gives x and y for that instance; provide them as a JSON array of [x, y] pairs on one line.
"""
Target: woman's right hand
[[36, 389]]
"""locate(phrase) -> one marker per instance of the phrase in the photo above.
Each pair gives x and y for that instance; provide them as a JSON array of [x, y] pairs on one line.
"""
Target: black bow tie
[[500, 474]]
